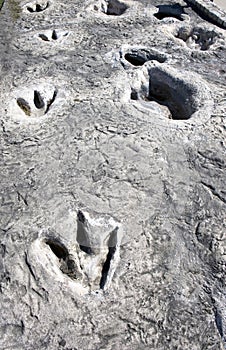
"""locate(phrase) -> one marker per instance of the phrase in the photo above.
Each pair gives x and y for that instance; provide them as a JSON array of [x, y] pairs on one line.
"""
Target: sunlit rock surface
[[112, 175]]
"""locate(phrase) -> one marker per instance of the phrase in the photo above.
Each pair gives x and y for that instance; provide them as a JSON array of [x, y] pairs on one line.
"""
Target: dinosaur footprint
[[37, 103], [86, 265], [52, 35], [37, 6]]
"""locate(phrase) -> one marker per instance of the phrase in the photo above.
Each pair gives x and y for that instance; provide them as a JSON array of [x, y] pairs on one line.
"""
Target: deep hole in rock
[[57, 248], [115, 8], [106, 266], [81, 217], [85, 249], [38, 100], [112, 244], [54, 35], [165, 11], [138, 57], [168, 93], [67, 262], [169, 90], [134, 59], [24, 106], [39, 8], [134, 95], [50, 102], [82, 236]]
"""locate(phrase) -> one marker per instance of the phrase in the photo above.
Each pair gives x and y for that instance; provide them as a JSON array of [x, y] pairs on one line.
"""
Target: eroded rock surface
[[112, 175]]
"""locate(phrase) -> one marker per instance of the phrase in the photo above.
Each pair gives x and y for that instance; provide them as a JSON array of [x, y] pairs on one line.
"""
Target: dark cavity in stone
[[112, 244], [54, 35], [169, 91], [38, 100], [57, 248], [167, 95], [115, 8], [137, 57], [165, 11], [134, 95], [38, 8]]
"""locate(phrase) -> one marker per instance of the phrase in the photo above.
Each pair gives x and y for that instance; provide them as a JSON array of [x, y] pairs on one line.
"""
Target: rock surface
[[112, 176]]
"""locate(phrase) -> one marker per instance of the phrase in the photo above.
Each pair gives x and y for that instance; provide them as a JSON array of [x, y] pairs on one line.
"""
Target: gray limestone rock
[[112, 225]]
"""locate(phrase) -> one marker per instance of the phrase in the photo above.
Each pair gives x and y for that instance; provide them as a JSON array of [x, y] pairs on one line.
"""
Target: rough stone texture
[[210, 10], [112, 176]]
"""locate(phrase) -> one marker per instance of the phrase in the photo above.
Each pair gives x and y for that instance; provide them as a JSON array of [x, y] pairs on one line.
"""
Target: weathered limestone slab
[[112, 162], [211, 10]]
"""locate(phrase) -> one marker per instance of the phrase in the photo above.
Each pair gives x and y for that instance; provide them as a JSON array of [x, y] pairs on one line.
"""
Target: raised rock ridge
[[211, 10]]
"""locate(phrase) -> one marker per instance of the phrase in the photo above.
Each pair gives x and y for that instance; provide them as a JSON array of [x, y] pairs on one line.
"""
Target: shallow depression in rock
[[197, 38]]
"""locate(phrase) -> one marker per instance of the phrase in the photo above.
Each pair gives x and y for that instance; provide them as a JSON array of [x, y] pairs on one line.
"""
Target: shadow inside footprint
[[39, 106], [38, 7], [38, 100], [24, 105]]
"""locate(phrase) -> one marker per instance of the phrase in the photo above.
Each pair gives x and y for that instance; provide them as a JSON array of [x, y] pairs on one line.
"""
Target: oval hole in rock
[[139, 57], [57, 248], [165, 11], [166, 91], [135, 59]]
